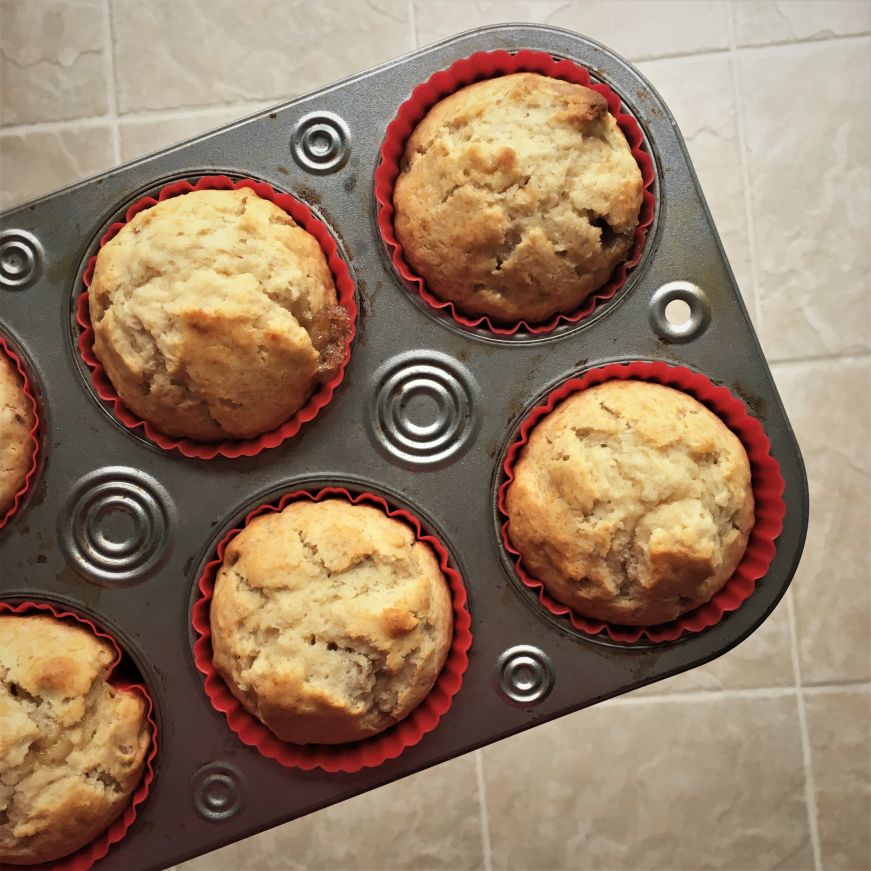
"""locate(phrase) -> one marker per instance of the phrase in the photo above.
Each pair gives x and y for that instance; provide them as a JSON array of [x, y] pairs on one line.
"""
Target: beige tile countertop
[[760, 760]]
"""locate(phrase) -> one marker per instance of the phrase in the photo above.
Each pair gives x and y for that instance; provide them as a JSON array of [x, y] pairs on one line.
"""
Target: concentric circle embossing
[[424, 409], [524, 674], [321, 142], [115, 526], [20, 257], [684, 329], [217, 790]]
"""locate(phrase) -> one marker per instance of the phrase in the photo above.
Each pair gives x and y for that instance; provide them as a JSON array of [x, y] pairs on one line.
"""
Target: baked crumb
[[329, 333], [72, 746], [631, 502]]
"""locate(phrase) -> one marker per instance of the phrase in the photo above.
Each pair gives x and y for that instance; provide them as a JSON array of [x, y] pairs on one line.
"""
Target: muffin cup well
[[766, 482], [86, 856], [486, 65], [229, 448], [368, 752], [29, 477]]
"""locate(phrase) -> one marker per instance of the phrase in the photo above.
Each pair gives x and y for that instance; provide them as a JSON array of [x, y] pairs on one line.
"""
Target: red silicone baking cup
[[369, 752], [488, 65], [766, 481], [229, 448], [85, 857], [34, 433]]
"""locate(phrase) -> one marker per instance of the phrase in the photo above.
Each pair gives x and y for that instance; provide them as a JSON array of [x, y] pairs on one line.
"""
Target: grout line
[[111, 82], [677, 55], [485, 814], [745, 174], [859, 686], [216, 106], [412, 23], [56, 126], [247, 108], [217, 109], [691, 696], [810, 792], [834, 37], [818, 358], [705, 695]]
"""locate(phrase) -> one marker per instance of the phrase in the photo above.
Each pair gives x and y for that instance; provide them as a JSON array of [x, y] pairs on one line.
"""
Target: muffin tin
[[119, 530]]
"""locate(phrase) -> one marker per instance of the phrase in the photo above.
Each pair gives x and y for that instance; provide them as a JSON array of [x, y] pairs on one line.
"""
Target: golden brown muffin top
[[631, 502], [330, 622], [72, 747], [16, 422], [215, 315], [517, 197]]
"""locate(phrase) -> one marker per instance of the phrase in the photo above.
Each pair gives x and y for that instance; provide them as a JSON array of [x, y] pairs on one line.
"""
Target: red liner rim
[[369, 752], [228, 448], [34, 433], [766, 480], [484, 65], [86, 856]]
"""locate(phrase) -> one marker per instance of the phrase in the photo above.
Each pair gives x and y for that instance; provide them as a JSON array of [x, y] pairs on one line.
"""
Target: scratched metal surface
[[210, 789]]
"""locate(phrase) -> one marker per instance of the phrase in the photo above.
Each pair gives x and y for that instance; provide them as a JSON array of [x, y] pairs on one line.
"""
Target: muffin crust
[[517, 197], [215, 315], [72, 747], [631, 502], [16, 422], [330, 622]]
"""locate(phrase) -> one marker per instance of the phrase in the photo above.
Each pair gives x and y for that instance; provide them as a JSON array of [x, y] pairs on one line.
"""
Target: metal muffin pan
[[119, 529]]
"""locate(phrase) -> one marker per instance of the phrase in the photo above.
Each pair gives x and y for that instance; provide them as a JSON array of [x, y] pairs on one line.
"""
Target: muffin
[[631, 502], [215, 315], [517, 197], [16, 444], [330, 621], [72, 747]]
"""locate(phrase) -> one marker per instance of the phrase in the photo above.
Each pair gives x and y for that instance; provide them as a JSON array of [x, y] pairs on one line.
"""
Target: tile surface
[[439, 19], [51, 60], [839, 724], [655, 781], [38, 162], [427, 821], [637, 29], [700, 94], [829, 404], [763, 660], [143, 136], [810, 178], [201, 52], [763, 23], [653, 785]]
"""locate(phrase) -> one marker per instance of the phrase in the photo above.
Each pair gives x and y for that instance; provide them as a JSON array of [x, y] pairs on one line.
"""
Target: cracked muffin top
[[517, 197], [631, 502], [215, 315], [72, 746], [16, 422], [330, 621]]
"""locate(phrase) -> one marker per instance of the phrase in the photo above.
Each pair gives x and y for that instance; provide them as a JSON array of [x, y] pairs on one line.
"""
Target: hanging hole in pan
[[679, 311]]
